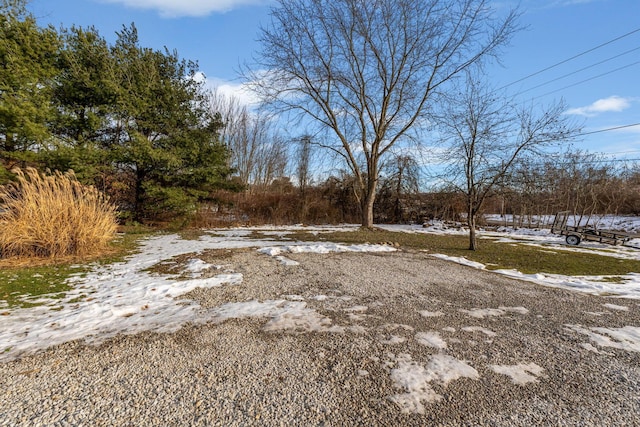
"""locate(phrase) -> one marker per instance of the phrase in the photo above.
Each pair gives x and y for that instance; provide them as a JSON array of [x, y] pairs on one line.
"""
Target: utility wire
[[578, 71], [584, 162], [591, 133], [615, 153], [570, 59], [589, 79], [609, 129], [570, 162], [578, 135]]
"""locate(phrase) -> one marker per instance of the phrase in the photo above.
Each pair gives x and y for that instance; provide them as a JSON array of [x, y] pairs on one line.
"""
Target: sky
[[595, 42]]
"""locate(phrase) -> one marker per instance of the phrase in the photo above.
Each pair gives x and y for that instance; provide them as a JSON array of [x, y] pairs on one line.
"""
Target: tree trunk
[[9, 143], [471, 221], [139, 195], [368, 199], [367, 210]]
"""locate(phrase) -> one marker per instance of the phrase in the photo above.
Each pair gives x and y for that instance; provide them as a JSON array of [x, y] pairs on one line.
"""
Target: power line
[[589, 79], [560, 162], [578, 71], [578, 135], [601, 131], [616, 153], [583, 162], [609, 129], [570, 59], [607, 161]]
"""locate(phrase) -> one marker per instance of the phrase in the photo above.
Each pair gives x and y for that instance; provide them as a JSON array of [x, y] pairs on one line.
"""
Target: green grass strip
[[21, 286], [495, 255]]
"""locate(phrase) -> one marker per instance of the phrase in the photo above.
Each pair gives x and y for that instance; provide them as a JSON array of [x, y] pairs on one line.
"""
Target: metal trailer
[[575, 234]]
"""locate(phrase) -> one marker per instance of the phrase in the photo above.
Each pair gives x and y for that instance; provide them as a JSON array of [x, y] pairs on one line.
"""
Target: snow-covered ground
[[626, 286], [127, 298]]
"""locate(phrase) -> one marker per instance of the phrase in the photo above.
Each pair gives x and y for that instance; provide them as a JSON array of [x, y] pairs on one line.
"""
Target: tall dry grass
[[53, 216]]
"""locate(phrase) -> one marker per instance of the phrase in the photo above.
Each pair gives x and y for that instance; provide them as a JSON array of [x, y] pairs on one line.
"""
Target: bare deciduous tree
[[486, 134], [398, 190], [303, 155], [368, 71], [271, 160], [258, 154]]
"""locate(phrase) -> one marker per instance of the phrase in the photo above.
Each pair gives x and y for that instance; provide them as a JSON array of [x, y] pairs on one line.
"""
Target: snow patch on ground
[[110, 300], [319, 248], [126, 298], [357, 313], [628, 287], [485, 331], [212, 282], [520, 374], [283, 315], [392, 340], [481, 313], [324, 248], [593, 349], [118, 298], [431, 339], [286, 261], [626, 338], [414, 379], [196, 266], [425, 313], [616, 307], [460, 260]]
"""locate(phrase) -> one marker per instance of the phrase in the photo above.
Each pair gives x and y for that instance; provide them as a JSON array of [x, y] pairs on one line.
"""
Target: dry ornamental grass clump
[[53, 216]]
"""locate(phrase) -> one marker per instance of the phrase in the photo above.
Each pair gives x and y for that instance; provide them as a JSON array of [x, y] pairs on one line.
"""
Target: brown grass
[[53, 216]]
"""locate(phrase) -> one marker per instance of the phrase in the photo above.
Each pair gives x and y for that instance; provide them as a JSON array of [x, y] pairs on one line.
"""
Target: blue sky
[[221, 34]]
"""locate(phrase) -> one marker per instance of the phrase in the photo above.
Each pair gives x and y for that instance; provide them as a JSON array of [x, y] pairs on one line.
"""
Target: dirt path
[[351, 339]]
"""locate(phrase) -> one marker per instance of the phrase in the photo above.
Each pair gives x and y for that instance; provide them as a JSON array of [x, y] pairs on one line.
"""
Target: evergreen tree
[[86, 89], [134, 121], [85, 95], [27, 67], [164, 137]]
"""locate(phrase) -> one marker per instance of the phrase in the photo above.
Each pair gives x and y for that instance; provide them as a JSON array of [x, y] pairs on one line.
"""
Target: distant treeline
[[581, 183]]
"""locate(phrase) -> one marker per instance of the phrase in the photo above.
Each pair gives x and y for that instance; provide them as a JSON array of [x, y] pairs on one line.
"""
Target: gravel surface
[[382, 328]]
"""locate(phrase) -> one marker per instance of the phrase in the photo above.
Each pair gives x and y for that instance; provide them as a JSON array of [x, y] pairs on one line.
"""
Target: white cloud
[[610, 104], [178, 8], [238, 91]]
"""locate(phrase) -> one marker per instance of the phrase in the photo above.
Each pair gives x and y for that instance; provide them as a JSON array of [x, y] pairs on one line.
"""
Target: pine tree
[[27, 67]]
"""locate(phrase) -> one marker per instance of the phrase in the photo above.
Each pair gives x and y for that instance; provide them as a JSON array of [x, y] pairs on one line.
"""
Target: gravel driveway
[[393, 339]]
